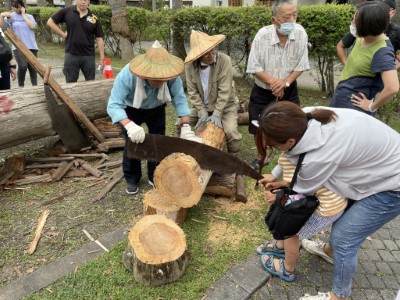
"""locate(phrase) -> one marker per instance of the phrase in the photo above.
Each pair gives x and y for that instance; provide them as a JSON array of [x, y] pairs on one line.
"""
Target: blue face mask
[[286, 28]]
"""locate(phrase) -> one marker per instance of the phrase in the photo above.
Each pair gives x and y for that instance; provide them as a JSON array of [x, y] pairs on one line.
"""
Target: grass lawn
[[215, 244]]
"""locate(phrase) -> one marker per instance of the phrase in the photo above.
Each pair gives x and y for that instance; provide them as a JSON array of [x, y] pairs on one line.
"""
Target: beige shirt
[[268, 55], [220, 93]]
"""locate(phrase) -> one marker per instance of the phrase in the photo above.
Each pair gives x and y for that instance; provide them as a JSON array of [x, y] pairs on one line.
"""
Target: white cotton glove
[[188, 134], [135, 132]]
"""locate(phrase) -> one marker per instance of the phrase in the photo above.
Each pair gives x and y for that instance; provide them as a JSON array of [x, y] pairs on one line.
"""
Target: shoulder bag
[[285, 219], [5, 51]]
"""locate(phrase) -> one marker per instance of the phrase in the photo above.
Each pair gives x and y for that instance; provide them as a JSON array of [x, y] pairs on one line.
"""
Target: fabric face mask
[[286, 28], [353, 30]]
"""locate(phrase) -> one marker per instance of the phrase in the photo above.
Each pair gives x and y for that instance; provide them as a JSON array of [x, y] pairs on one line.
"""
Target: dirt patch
[[223, 233]]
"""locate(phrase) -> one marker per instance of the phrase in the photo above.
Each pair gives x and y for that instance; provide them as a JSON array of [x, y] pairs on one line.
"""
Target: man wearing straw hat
[[139, 95], [209, 76]]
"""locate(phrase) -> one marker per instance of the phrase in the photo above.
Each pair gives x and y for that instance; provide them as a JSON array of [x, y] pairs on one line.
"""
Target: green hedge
[[325, 25]]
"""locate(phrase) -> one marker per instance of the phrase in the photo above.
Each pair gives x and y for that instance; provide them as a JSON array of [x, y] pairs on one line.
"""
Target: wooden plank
[[110, 165], [50, 159], [34, 179], [62, 170], [42, 166], [116, 143], [88, 167], [116, 176], [38, 232], [40, 69]]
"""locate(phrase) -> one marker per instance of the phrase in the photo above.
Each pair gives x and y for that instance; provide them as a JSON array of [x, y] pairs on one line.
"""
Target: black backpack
[[5, 51]]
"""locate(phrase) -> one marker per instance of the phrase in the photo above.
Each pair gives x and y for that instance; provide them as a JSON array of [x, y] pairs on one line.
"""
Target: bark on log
[[155, 204], [221, 185], [243, 118], [29, 105], [15, 165], [156, 252], [179, 177], [241, 194]]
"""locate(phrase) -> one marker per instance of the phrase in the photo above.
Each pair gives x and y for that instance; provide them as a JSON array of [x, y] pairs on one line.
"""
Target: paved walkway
[[378, 275]]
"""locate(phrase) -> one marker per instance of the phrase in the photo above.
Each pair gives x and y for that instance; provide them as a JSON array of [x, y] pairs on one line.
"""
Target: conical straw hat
[[156, 64], [201, 43]]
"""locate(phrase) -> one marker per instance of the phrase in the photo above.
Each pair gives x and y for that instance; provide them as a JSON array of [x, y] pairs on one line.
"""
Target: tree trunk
[[156, 253], [42, 3], [120, 26], [178, 40], [179, 177], [26, 117]]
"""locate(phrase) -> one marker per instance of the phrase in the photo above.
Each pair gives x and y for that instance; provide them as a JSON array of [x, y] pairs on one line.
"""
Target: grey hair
[[278, 4]]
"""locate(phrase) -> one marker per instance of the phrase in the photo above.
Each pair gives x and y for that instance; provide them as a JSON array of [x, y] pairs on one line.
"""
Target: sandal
[[255, 164], [283, 273], [270, 249]]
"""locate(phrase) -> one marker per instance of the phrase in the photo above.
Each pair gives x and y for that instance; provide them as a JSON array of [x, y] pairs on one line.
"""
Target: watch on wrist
[[13, 66], [287, 84]]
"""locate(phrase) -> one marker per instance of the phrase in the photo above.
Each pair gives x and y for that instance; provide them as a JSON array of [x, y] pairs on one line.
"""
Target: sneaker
[[320, 296], [255, 164], [132, 188], [317, 248], [152, 184]]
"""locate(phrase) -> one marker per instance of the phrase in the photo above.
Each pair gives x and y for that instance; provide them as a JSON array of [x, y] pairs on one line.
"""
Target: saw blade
[[157, 147]]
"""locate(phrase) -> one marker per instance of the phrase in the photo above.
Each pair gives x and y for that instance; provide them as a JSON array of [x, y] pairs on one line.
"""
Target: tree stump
[[179, 178], [156, 252], [155, 204]]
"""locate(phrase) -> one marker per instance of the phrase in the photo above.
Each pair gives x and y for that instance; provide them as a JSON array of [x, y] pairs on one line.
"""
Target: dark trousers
[[261, 98], [74, 63], [5, 81], [155, 122], [23, 66]]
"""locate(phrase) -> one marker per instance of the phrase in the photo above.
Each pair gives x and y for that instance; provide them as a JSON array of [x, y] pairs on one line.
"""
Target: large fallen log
[[27, 118]]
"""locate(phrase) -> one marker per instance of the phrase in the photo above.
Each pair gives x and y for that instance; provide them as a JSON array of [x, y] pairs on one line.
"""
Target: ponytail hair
[[285, 120]]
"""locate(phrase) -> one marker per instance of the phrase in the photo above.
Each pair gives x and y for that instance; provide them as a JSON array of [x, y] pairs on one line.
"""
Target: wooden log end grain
[[155, 204], [178, 178], [156, 252]]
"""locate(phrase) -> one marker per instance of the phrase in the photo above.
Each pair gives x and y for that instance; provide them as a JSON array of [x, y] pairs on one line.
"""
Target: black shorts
[[261, 98]]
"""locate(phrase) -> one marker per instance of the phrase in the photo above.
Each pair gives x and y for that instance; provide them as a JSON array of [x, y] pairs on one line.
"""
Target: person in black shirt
[[83, 27], [392, 32]]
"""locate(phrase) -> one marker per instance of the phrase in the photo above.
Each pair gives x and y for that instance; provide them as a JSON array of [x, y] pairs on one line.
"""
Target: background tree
[[119, 24]]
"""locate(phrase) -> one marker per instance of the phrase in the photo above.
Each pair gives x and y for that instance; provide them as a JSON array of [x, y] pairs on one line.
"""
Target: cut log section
[[179, 177], [229, 186], [156, 252], [155, 204], [221, 185], [243, 118]]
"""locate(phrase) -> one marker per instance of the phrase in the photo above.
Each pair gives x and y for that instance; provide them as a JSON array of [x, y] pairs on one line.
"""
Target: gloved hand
[[135, 132], [215, 120], [188, 134], [202, 119]]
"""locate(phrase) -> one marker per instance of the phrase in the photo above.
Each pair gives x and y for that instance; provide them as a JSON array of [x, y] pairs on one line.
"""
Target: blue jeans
[[348, 233]]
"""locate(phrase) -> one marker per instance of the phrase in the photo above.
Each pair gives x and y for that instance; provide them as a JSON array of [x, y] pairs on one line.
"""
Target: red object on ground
[[108, 73]]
